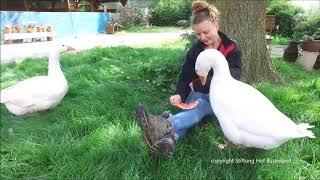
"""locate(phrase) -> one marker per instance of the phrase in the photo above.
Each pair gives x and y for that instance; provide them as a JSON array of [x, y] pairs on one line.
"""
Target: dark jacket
[[227, 48]]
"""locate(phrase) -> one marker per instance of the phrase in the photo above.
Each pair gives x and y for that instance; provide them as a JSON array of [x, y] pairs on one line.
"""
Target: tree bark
[[243, 21], [26, 5]]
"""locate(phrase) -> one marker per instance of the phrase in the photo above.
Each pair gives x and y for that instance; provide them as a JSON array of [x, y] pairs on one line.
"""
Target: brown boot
[[157, 130]]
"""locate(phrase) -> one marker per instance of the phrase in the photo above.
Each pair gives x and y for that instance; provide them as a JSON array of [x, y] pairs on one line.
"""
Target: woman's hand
[[175, 99]]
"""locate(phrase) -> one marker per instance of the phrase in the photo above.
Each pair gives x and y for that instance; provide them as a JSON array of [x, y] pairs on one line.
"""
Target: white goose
[[40, 92], [246, 116]]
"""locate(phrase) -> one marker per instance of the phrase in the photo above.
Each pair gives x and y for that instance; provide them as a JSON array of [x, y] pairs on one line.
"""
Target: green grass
[[280, 40], [92, 133]]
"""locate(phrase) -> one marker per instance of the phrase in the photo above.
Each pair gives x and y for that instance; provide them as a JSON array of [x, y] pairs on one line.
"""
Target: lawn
[[92, 133]]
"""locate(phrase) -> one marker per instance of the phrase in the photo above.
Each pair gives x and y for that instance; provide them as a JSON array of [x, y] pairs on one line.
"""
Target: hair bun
[[199, 6]]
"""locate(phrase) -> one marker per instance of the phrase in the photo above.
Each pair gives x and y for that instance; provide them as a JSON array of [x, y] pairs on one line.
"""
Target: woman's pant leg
[[188, 119]]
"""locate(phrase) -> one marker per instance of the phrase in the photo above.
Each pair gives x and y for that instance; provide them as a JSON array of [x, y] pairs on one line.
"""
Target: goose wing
[[26, 92], [251, 111]]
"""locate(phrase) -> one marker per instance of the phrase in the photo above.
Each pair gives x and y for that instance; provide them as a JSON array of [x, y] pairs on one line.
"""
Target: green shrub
[[168, 12], [127, 16], [285, 16], [280, 40], [308, 28], [131, 16], [191, 38]]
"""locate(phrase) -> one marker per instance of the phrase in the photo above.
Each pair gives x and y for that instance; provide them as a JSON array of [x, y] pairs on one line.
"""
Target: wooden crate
[[9, 37]]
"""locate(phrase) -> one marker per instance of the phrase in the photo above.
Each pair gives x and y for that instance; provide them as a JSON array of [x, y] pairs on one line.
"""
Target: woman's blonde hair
[[201, 11]]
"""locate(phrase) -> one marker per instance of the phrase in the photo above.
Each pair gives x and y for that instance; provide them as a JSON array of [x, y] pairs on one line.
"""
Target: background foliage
[[168, 12], [307, 28], [285, 16]]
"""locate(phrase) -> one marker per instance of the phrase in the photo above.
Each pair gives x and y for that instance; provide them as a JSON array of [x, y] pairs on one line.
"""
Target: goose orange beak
[[203, 80]]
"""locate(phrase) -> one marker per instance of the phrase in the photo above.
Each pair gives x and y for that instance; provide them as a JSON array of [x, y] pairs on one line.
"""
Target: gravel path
[[17, 52]]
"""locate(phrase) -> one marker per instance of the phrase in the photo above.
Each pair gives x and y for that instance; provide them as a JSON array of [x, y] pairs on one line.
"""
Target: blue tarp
[[65, 24]]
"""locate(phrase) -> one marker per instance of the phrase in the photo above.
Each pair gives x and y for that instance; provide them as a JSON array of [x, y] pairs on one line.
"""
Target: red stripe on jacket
[[224, 51]]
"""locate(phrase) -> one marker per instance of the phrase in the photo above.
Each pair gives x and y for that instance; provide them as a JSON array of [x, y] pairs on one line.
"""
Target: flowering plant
[[18, 28], [8, 26], [30, 25], [49, 28]]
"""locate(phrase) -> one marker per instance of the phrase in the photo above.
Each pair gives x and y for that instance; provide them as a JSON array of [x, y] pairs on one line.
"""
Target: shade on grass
[[92, 133]]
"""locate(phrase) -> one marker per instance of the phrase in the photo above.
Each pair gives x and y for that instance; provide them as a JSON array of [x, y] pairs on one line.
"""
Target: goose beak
[[203, 80]]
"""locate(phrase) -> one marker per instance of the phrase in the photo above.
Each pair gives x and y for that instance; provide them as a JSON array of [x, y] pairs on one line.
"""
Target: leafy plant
[[190, 38], [130, 16], [48, 28], [127, 16], [308, 28], [8, 27], [168, 12], [30, 25], [285, 16], [280, 40], [17, 26]]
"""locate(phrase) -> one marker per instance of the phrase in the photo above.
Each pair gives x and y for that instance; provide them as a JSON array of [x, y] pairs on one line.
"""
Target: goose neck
[[54, 68], [221, 70]]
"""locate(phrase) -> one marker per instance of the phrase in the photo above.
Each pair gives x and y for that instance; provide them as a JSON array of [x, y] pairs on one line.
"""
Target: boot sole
[[165, 146]]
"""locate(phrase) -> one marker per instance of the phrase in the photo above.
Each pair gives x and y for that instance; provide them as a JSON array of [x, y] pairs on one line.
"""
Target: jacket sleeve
[[187, 74], [235, 63]]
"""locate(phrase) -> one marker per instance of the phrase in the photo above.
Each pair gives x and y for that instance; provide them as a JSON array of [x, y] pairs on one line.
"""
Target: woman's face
[[206, 31]]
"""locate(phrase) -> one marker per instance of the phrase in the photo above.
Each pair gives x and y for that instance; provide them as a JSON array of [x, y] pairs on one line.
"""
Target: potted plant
[[18, 28], [38, 28], [310, 43], [307, 32], [49, 28], [306, 36], [7, 29], [30, 27], [43, 28], [291, 52]]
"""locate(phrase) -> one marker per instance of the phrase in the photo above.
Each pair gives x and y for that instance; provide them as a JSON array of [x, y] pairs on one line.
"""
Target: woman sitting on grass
[[162, 132]]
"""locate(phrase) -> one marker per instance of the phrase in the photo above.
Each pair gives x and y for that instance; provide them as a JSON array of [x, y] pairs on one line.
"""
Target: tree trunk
[[3, 5], [26, 5], [243, 21]]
